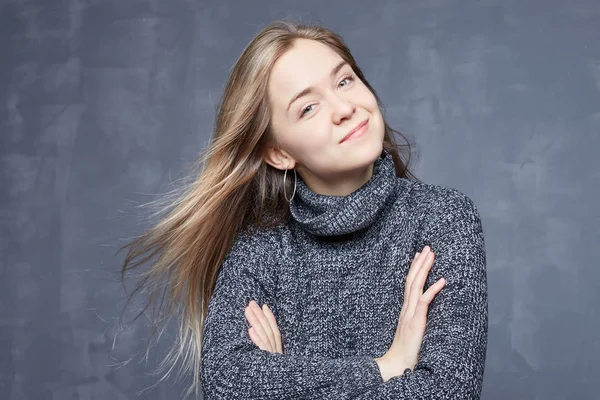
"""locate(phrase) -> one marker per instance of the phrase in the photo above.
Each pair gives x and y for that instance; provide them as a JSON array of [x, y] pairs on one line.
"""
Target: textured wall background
[[103, 102]]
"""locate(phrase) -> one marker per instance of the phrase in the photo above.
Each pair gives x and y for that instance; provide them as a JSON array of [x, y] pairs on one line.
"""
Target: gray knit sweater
[[334, 278]]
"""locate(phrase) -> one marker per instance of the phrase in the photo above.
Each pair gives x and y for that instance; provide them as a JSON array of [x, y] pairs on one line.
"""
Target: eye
[[305, 109], [349, 78]]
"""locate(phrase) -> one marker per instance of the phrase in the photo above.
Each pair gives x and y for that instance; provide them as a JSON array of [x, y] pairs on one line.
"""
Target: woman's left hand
[[263, 328]]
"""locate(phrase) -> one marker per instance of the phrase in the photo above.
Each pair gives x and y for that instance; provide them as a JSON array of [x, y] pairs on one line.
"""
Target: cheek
[[371, 105], [370, 100], [307, 139], [316, 134]]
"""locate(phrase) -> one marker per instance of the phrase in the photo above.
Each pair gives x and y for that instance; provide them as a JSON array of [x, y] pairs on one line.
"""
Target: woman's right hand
[[404, 351]]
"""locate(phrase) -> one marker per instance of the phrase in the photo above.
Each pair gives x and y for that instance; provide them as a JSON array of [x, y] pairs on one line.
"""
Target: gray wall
[[103, 102]]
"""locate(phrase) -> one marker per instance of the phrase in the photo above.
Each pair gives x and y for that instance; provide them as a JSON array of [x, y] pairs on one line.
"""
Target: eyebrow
[[310, 89]]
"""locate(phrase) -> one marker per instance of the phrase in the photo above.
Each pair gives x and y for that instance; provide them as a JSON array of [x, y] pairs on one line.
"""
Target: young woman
[[300, 260]]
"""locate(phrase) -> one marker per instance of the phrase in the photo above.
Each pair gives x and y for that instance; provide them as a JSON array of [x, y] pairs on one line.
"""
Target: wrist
[[386, 368], [391, 368]]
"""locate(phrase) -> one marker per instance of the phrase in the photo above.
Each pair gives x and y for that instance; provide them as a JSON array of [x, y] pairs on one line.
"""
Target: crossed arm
[[452, 356]]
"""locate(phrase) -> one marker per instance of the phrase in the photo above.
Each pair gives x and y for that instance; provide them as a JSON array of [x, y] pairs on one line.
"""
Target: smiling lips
[[357, 131]]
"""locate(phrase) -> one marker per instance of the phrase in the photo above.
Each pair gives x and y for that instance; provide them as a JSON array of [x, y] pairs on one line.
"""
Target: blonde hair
[[230, 189]]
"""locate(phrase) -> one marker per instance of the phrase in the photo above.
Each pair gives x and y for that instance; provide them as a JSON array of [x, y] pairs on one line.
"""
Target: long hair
[[230, 188]]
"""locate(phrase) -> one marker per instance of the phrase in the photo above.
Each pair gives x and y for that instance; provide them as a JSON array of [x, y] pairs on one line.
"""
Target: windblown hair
[[230, 188]]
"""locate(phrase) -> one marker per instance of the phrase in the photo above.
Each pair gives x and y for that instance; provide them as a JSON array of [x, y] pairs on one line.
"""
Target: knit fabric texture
[[334, 277]]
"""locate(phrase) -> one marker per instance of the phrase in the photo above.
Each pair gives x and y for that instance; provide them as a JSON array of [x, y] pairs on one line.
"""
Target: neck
[[331, 215], [341, 184]]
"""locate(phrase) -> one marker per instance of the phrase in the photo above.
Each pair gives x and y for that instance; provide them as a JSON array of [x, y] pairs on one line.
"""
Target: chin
[[369, 153]]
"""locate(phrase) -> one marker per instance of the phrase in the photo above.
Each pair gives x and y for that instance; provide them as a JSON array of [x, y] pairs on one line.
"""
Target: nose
[[342, 108]]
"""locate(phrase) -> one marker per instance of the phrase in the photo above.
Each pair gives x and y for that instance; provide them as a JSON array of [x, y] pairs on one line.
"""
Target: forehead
[[306, 64]]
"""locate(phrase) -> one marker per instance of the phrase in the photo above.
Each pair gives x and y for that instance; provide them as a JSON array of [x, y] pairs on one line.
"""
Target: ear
[[277, 157]]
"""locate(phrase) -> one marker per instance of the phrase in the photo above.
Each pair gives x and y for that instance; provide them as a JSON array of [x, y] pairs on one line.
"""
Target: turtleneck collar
[[326, 215]]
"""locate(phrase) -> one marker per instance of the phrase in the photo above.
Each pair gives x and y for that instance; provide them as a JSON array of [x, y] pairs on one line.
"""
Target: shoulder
[[255, 248], [253, 257], [450, 224], [258, 239], [435, 203]]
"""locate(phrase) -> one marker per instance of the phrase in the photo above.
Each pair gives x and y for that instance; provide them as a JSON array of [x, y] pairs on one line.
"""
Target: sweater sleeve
[[453, 352], [233, 367]]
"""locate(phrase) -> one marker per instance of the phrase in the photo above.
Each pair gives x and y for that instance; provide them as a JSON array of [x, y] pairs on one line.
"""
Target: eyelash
[[348, 77]]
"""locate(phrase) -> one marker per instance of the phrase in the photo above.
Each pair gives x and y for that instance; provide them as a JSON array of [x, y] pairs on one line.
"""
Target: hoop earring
[[295, 180]]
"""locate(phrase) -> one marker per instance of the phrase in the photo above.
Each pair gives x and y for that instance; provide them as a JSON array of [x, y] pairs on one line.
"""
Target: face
[[316, 100]]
